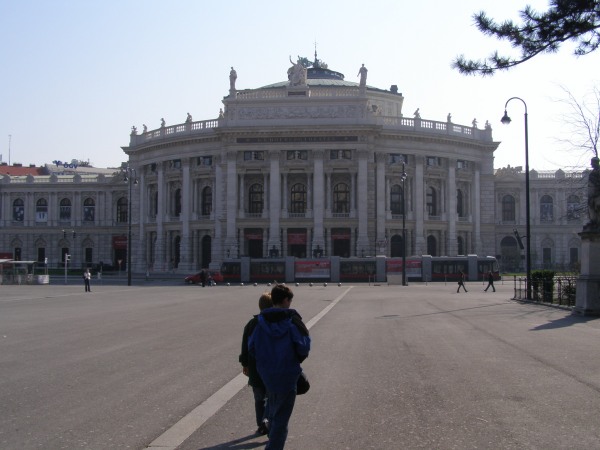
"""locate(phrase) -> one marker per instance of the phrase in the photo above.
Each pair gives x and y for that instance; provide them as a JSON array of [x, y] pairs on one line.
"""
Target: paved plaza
[[154, 365]]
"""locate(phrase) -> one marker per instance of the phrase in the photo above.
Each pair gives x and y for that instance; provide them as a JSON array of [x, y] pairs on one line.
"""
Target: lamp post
[[506, 120], [130, 177], [403, 177]]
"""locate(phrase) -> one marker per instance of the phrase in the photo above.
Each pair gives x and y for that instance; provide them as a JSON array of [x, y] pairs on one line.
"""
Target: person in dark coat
[[490, 282], [249, 369], [461, 281], [279, 343]]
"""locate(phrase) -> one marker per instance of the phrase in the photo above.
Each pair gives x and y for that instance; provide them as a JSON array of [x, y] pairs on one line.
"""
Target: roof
[[19, 171]]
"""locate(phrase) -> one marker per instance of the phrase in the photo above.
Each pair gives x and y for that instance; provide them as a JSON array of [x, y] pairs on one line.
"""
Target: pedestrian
[[279, 344], [203, 277], [87, 276], [461, 281], [490, 282], [249, 369]]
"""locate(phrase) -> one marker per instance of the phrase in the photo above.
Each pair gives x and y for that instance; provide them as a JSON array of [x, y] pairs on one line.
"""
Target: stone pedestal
[[588, 283]]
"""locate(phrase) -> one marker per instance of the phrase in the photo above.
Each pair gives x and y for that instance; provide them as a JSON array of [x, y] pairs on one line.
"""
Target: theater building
[[313, 166]]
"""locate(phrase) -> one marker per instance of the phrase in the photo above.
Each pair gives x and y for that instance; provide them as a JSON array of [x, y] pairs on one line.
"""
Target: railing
[[560, 291]]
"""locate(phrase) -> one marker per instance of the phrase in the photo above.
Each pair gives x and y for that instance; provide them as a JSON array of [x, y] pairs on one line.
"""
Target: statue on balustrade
[[189, 118], [594, 197], [162, 123], [232, 78], [297, 73], [362, 72]]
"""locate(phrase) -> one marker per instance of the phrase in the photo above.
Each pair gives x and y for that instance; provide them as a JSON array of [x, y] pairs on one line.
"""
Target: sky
[[77, 75]]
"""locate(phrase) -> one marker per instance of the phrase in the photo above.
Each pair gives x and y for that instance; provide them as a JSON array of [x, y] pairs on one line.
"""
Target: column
[[218, 249], [140, 264], [284, 209], [186, 206], [452, 215], [275, 202], [363, 200], [160, 262], [380, 159], [231, 202], [318, 200], [419, 209], [477, 210]]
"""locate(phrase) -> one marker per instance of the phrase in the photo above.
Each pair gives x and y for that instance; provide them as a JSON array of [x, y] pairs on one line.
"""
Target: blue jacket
[[279, 343]]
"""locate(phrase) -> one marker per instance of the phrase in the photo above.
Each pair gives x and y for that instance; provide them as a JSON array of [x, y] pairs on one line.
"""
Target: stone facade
[[293, 170]]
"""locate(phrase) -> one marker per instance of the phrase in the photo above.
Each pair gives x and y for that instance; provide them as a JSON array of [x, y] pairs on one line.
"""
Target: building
[[313, 166]]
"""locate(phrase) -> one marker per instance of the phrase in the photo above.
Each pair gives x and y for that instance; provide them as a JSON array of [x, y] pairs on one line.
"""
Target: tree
[[541, 32], [582, 121]]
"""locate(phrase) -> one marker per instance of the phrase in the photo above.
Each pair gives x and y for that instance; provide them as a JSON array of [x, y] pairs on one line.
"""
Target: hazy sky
[[78, 74]]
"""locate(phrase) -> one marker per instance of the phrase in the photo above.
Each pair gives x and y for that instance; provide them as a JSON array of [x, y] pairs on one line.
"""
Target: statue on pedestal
[[362, 72], [593, 195], [297, 73], [232, 78]]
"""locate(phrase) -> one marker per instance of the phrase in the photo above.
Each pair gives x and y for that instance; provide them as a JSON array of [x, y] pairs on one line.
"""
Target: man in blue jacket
[[279, 343]]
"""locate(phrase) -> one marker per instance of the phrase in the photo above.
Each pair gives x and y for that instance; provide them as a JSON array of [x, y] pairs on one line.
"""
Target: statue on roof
[[297, 73], [362, 72], [232, 78]]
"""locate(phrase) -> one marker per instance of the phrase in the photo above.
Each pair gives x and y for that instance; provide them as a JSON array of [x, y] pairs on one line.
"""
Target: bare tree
[[582, 121]]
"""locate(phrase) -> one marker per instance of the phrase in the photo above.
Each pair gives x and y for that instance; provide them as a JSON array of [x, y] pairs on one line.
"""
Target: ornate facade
[[313, 166]]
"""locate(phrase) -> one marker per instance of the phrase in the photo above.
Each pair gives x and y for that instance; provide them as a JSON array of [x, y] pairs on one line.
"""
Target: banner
[[313, 269]]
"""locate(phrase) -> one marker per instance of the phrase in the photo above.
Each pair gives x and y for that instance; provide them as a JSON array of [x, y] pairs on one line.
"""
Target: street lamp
[[506, 120], [403, 177], [130, 177]]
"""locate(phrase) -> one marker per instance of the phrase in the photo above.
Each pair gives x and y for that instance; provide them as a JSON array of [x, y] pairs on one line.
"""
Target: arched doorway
[[206, 251], [396, 246], [431, 245], [510, 255]]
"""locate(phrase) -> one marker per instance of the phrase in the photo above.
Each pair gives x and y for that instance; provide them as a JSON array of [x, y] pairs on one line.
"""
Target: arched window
[[256, 199], [396, 195], [41, 210], [459, 205], [122, 210], [573, 208], [206, 201], [431, 245], [298, 199], [341, 199], [154, 205], [64, 213], [18, 210], [546, 209], [89, 210], [177, 203], [431, 201], [508, 208]]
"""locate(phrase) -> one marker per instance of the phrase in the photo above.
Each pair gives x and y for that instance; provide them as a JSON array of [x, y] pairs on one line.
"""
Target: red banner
[[119, 242], [296, 238]]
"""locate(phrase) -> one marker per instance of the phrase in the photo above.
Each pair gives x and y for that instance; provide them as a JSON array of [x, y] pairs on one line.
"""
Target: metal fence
[[559, 291]]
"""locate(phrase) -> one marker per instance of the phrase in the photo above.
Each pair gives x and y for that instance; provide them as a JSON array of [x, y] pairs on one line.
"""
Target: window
[[461, 164], [297, 154], [175, 164], [431, 201], [546, 209], [154, 204], [18, 210], [177, 203], [396, 195], [573, 208], [89, 210], [340, 154], [41, 210], [206, 201], [256, 199], [433, 161], [122, 210], [395, 158], [254, 156], [298, 199], [341, 199], [573, 256], [459, 205], [64, 213], [460, 246], [204, 161], [508, 208]]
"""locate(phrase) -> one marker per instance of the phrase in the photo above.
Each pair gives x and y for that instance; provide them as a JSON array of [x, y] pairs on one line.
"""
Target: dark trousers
[[260, 400], [280, 407], [86, 282]]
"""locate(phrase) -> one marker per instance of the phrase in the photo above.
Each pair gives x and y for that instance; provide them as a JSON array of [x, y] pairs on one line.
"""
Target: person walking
[[249, 369], [490, 282], [461, 281], [87, 276], [279, 344]]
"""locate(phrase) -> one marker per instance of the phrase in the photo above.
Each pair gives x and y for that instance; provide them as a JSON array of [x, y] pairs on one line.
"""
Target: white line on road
[[178, 433]]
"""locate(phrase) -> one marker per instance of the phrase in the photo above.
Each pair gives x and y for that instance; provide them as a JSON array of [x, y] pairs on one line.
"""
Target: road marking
[[178, 433]]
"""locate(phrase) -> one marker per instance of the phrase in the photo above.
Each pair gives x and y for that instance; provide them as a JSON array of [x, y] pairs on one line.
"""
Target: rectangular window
[[396, 158]]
